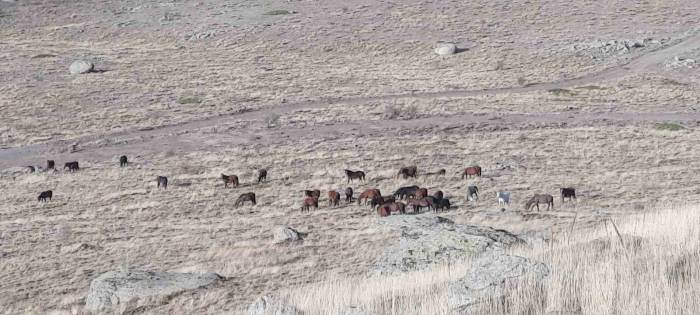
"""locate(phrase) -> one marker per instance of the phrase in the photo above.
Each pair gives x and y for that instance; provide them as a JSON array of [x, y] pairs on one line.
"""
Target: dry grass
[[592, 272]]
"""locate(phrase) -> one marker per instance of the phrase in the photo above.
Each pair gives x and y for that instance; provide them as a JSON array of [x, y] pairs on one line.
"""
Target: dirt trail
[[167, 137]]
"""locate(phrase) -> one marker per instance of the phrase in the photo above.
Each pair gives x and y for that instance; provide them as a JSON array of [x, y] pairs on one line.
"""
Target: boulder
[[81, 66], [284, 234], [271, 305], [445, 48], [125, 286]]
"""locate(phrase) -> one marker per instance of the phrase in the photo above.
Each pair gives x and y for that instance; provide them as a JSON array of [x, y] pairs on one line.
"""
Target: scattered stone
[[284, 234], [121, 287], [445, 48], [681, 62], [598, 48], [81, 66], [271, 305]]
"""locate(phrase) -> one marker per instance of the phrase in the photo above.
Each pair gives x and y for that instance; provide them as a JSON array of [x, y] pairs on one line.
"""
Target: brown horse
[[568, 192], [399, 207], [333, 198], [471, 171], [262, 175], [384, 211], [418, 204], [352, 175], [348, 194], [313, 193], [230, 179], [406, 172], [309, 202], [537, 199], [50, 165], [421, 193], [367, 195], [380, 200], [245, 197]]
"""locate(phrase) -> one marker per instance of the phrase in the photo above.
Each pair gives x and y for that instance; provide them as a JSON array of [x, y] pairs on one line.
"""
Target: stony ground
[[542, 96]]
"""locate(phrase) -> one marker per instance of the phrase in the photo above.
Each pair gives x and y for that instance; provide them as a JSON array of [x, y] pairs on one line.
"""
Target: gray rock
[[445, 48], [271, 305], [81, 66], [488, 278], [121, 287], [284, 234]]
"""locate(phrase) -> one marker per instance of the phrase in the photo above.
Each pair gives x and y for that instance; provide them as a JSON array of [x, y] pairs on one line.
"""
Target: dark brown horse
[[162, 182], [245, 197], [537, 199], [384, 211], [352, 175], [471, 171], [438, 194], [367, 195], [230, 179], [399, 207], [123, 161], [72, 166], [50, 165], [406, 192], [309, 202], [333, 198], [418, 204], [568, 192], [421, 192], [315, 193], [44, 195], [380, 200], [443, 203], [262, 175], [348, 194], [406, 172]]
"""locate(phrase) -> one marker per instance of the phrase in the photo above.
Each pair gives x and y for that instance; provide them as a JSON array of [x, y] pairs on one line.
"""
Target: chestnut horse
[[333, 198], [421, 193], [471, 171], [309, 202], [367, 195], [230, 179]]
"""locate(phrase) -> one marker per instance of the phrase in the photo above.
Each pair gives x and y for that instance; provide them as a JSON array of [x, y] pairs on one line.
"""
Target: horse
[[368, 194], [540, 198], [45, 194], [405, 192], [71, 166], [503, 198], [441, 172], [249, 196], [384, 211], [420, 193], [471, 171], [230, 179], [417, 204], [380, 200], [438, 194], [162, 181], [333, 198], [50, 165], [313, 193], [348, 194], [406, 172], [31, 169], [399, 207], [443, 203], [568, 192], [472, 193], [309, 202], [123, 161], [262, 175], [351, 175]]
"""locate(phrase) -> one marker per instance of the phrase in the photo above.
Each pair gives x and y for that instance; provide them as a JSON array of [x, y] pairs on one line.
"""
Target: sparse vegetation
[[40, 56], [669, 126], [591, 87], [272, 119], [278, 12], [185, 100], [400, 112], [562, 92]]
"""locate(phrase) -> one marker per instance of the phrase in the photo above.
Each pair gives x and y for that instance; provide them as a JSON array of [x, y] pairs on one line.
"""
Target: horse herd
[[412, 197]]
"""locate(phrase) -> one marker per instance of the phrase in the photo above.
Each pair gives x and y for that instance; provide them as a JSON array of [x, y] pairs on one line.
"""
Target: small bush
[[591, 87], [278, 12], [668, 126], [561, 92], [272, 119], [400, 112], [522, 81], [40, 56], [189, 100]]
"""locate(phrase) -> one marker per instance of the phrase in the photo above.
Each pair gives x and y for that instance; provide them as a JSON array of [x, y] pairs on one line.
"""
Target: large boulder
[[81, 66], [445, 48], [271, 305], [124, 286], [285, 234]]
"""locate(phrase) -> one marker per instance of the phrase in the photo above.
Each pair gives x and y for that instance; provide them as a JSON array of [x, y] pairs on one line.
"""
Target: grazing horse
[[406, 192], [568, 192], [245, 197], [50, 165], [71, 166], [471, 171], [262, 175], [421, 192], [333, 198], [162, 181], [406, 172], [313, 193], [31, 169], [230, 179], [348, 194], [355, 175], [503, 198], [45, 194], [537, 199], [309, 202], [384, 211], [472, 193], [368, 194], [380, 200], [438, 194], [443, 203], [123, 161], [417, 204], [442, 172], [399, 207]]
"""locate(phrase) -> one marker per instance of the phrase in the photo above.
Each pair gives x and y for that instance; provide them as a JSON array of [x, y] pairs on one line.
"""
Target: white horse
[[503, 198]]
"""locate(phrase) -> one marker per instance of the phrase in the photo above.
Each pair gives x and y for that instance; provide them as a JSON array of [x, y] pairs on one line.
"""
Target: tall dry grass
[[641, 264]]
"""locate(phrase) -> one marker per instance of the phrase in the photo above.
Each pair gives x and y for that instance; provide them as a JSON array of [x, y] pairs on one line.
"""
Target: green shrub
[[189, 100], [669, 126]]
